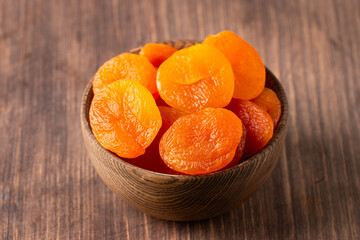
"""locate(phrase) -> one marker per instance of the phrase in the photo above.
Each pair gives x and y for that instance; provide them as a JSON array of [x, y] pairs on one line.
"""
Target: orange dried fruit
[[269, 101], [151, 160], [249, 70], [195, 78], [258, 124], [239, 150], [157, 53], [124, 118], [202, 142], [169, 115], [126, 66]]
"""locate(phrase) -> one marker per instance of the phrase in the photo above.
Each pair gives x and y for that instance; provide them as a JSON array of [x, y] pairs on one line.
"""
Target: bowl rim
[[278, 132]]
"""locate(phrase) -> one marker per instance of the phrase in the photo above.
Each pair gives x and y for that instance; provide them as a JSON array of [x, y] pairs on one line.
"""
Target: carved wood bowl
[[182, 197]]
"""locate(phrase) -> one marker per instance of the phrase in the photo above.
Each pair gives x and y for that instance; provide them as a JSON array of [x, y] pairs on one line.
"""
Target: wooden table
[[50, 50]]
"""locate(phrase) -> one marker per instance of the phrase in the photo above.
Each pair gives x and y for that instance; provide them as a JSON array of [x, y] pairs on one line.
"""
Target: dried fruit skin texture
[[157, 53], [258, 124], [195, 78], [269, 101], [126, 66], [239, 150], [169, 115], [124, 118], [151, 160], [202, 142], [249, 70]]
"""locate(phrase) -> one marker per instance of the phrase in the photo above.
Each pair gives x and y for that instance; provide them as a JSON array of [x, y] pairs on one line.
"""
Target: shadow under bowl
[[183, 197]]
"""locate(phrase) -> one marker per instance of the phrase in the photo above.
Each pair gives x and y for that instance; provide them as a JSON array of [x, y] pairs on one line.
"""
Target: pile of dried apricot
[[191, 111]]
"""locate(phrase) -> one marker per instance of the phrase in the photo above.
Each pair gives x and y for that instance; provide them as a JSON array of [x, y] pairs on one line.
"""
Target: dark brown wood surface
[[49, 51]]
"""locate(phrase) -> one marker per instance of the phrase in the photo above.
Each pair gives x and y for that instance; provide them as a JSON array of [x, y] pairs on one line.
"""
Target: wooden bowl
[[181, 197]]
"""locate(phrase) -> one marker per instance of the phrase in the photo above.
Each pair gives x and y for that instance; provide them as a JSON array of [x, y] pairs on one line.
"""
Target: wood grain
[[48, 188]]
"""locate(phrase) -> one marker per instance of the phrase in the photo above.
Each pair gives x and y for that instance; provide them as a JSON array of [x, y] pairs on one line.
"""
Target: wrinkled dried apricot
[[151, 160], [239, 150], [169, 115], [195, 78], [157, 53], [249, 70], [126, 66], [124, 118], [269, 101], [258, 124], [201, 142], [190, 132]]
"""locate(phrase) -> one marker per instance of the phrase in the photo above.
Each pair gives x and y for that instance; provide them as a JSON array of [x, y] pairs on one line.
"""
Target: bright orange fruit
[[269, 101], [239, 150], [126, 66], [195, 78], [151, 160], [258, 124], [124, 118], [202, 142], [157, 53], [246, 63], [169, 115]]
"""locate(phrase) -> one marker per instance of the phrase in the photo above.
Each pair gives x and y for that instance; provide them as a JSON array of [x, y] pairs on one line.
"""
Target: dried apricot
[[195, 78], [249, 70], [201, 142], [258, 124], [157, 53], [151, 160], [239, 150], [126, 66], [269, 101], [124, 118], [169, 115]]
